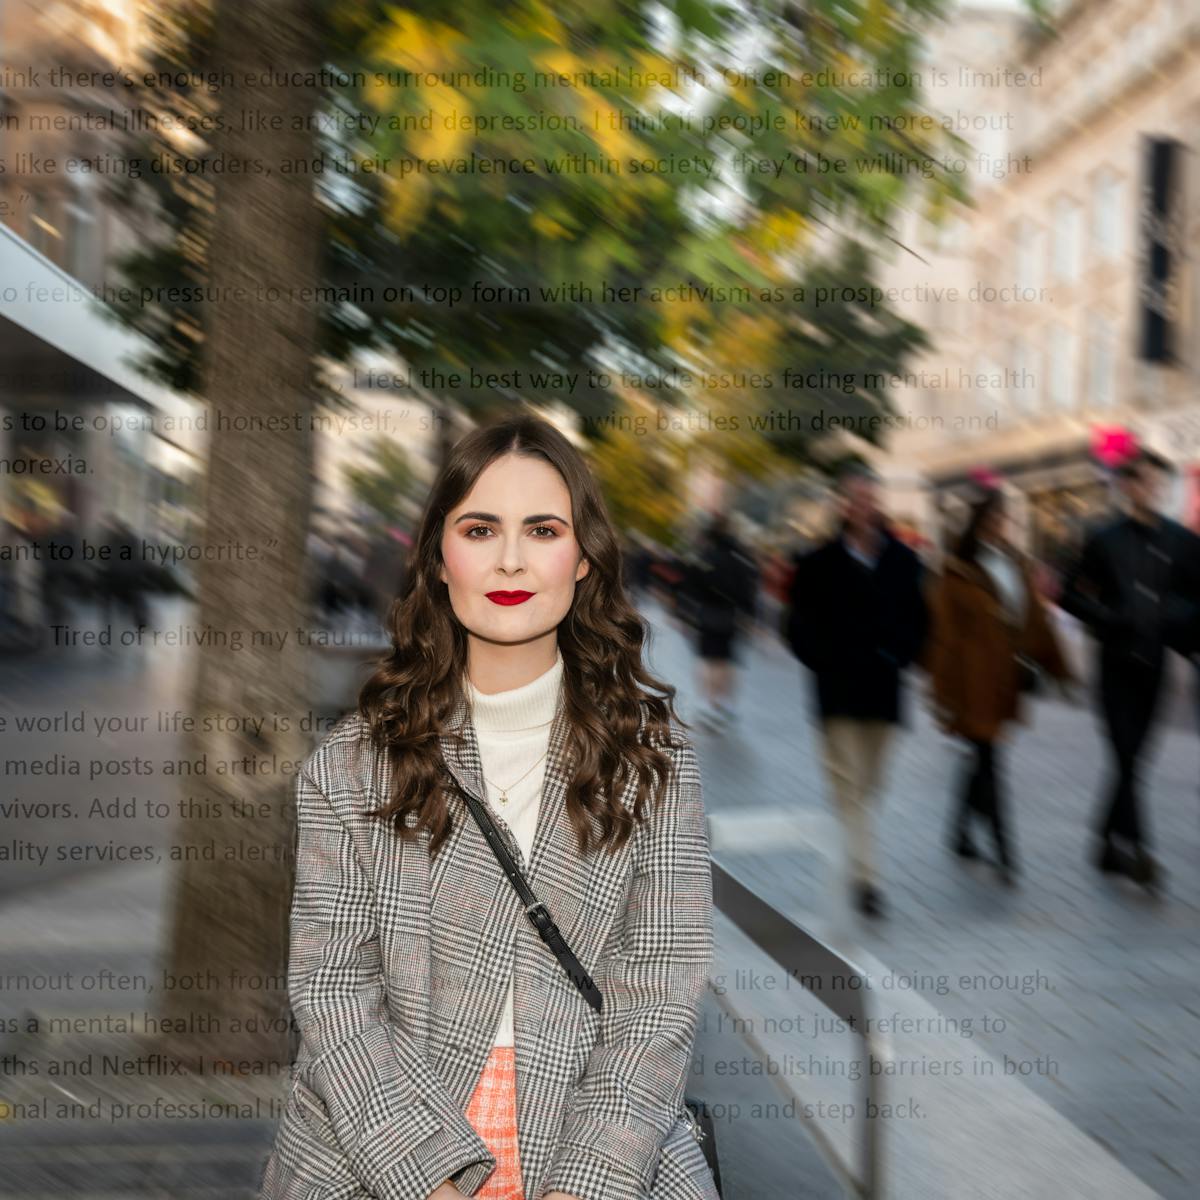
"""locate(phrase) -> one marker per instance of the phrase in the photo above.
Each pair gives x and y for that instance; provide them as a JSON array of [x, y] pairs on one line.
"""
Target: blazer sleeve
[[632, 1088], [400, 1130]]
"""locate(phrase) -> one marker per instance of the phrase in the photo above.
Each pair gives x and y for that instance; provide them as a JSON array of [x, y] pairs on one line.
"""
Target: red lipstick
[[508, 597]]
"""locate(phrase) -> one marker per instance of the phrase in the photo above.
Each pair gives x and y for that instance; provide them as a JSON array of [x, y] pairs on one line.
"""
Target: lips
[[508, 597]]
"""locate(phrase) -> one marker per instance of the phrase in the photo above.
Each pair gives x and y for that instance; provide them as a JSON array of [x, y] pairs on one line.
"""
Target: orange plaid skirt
[[493, 1112]]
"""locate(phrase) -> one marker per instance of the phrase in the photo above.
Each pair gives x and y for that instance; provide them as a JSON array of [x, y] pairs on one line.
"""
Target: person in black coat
[[856, 618], [123, 575], [1136, 585], [721, 586]]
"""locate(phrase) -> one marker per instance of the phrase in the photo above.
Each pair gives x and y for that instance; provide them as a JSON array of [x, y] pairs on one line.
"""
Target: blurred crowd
[[45, 574], [978, 618], [862, 606], [48, 576]]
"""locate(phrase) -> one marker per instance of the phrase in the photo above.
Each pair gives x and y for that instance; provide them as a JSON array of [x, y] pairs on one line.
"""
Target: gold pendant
[[503, 797]]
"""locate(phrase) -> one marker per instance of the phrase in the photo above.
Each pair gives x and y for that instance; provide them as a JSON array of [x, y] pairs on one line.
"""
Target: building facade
[[82, 431], [1064, 300]]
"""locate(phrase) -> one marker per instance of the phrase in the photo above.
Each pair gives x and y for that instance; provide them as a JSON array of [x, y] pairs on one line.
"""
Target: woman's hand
[[446, 1191], [559, 1196]]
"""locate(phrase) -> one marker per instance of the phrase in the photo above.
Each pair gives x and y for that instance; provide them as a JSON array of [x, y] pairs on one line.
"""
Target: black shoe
[[964, 847], [868, 900], [1110, 860], [1144, 869]]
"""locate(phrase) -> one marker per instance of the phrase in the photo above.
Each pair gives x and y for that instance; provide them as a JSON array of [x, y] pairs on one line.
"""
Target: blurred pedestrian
[[1136, 586], [720, 585], [384, 569], [61, 556], [341, 586], [640, 559], [856, 619], [24, 620], [669, 572], [991, 637], [123, 578], [776, 572]]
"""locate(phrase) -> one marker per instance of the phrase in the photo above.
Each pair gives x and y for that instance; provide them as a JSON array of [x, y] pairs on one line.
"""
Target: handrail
[[806, 957]]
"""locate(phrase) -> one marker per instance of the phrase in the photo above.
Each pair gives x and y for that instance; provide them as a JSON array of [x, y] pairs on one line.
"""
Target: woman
[[721, 585], [444, 1050], [990, 634]]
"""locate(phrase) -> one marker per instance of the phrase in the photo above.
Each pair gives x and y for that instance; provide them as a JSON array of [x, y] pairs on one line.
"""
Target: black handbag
[[539, 917]]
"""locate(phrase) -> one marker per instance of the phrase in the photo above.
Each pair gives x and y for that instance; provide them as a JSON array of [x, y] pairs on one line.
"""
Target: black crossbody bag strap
[[699, 1118], [535, 910]]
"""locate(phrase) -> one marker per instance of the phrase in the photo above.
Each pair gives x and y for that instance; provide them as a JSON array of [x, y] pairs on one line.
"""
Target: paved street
[[1111, 975], [1086, 985]]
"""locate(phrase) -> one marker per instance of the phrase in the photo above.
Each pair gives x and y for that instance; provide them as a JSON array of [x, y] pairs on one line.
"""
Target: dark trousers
[[1129, 696], [981, 793]]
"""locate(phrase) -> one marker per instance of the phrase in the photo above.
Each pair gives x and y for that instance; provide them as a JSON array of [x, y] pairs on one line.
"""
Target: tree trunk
[[230, 908]]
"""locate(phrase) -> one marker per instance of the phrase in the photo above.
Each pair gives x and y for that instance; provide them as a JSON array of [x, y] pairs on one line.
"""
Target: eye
[[487, 529]]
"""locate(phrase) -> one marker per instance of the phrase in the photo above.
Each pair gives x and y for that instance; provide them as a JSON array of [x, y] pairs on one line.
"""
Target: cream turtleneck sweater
[[513, 730]]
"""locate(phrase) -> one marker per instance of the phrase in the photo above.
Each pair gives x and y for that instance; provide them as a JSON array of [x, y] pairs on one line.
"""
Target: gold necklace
[[504, 791]]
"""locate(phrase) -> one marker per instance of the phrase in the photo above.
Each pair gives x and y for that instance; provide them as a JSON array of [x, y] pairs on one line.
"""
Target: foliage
[[583, 263], [383, 485], [640, 472]]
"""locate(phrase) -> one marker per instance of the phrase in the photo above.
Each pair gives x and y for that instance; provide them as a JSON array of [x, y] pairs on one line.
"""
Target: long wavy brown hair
[[417, 685]]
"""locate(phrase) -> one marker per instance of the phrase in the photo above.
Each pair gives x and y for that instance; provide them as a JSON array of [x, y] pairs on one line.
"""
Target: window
[[955, 234], [1037, 373], [986, 377], [1106, 214], [1100, 362], [1067, 228], [1022, 383], [43, 234], [1062, 352], [1030, 252], [81, 225]]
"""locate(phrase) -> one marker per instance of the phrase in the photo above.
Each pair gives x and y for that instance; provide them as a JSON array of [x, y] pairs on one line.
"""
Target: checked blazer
[[398, 972]]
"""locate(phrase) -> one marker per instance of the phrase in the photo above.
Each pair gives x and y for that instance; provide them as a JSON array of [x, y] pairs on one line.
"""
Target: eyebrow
[[536, 519]]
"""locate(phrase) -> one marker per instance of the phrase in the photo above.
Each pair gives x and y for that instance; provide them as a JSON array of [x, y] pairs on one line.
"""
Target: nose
[[512, 559]]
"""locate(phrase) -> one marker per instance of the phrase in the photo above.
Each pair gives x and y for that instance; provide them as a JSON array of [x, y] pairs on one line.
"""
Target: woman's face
[[994, 526], [513, 533]]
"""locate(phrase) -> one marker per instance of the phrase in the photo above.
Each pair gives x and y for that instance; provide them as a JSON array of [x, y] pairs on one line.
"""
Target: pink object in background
[[985, 477], [1113, 444], [1192, 500]]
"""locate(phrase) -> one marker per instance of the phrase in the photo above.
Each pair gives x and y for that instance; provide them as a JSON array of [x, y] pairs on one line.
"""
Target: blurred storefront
[[1053, 499], [82, 431], [1176, 435]]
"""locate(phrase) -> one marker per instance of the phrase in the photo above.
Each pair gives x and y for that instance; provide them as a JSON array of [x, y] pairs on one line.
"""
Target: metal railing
[[835, 982]]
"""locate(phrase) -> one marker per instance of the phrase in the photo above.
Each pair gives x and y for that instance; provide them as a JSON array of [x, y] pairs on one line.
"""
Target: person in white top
[[990, 633], [513, 728], [444, 1052]]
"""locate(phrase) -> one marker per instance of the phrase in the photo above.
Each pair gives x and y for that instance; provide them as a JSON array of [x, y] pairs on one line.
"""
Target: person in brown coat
[[990, 637]]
